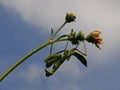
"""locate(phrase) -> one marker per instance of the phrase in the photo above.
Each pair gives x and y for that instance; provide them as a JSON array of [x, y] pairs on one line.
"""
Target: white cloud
[[69, 86], [71, 69], [31, 72], [47, 13], [91, 14]]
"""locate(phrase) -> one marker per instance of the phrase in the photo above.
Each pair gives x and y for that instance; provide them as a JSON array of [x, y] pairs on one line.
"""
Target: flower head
[[70, 17], [94, 37]]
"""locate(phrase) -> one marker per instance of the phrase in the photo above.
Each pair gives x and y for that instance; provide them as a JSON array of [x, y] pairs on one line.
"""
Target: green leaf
[[81, 58]]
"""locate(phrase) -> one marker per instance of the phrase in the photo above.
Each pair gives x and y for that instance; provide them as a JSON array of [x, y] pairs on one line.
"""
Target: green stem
[[27, 56], [22, 60], [50, 41], [58, 30]]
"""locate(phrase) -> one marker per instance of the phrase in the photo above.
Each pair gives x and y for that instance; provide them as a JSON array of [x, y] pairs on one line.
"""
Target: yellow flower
[[94, 37], [70, 17], [97, 38]]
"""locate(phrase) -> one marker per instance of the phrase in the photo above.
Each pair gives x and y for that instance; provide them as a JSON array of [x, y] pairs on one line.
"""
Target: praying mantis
[[55, 60]]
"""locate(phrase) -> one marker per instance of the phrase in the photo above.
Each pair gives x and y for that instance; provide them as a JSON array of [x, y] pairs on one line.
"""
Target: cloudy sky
[[25, 24]]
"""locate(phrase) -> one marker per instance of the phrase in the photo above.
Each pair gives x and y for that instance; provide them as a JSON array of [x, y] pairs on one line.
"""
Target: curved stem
[[50, 41], [27, 56], [22, 60]]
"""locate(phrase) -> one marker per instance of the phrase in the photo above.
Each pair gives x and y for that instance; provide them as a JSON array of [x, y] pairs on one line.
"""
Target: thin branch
[[27, 56]]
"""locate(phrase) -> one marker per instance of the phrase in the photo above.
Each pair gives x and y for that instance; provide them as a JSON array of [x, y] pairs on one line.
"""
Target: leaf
[[81, 58]]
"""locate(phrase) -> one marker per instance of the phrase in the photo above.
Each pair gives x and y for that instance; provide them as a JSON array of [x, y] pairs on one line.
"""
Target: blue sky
[[25, 24]]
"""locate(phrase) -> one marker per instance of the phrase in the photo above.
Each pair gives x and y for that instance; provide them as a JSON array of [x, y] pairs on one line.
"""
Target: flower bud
[[70, 17], [94, 37], [72, 37], [80, 36]]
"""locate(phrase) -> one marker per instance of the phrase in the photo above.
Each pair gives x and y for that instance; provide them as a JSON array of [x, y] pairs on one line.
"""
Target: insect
[[55, 60]]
